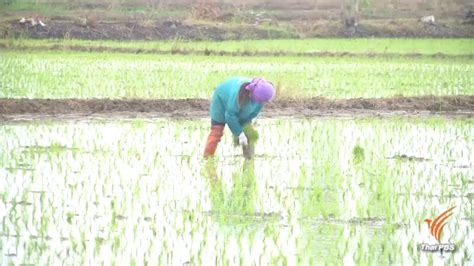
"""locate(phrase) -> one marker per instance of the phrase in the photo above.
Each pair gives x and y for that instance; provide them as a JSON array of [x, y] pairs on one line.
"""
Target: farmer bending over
[[236, 102]]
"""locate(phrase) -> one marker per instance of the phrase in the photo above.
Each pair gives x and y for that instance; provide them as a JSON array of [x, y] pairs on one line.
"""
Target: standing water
[[327, 191]]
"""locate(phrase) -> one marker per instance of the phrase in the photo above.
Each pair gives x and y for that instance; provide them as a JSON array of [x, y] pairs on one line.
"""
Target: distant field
[[353, 46], [121, 75]]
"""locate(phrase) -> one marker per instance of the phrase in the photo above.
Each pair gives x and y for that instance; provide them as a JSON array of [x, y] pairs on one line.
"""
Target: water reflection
[[237, 205]]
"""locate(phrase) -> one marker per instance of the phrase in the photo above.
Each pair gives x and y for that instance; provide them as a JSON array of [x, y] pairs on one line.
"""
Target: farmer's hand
[[243, 139]]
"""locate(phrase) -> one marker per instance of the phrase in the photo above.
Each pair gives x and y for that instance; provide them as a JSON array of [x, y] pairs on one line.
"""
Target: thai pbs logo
[[436, 228]]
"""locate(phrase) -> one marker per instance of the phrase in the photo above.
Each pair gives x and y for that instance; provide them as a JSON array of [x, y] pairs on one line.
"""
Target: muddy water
[[325, 191]]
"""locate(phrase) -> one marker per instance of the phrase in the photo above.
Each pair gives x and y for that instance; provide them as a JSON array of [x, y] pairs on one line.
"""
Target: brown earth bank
[[184, 30], [451, 106], [136, 30]]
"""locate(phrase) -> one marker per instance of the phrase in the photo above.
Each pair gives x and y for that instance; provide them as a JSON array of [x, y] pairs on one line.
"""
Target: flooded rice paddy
[[319, 191]]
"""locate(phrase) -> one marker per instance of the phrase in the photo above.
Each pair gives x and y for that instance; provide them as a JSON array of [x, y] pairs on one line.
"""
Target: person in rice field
[[236, 102]]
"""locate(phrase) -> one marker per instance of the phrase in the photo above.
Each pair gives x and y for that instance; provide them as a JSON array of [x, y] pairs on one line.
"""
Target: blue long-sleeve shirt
[[225, 107]]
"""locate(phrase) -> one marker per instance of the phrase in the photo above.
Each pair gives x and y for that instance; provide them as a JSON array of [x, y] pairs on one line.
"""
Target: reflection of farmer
[[240, 202], [236, 102]]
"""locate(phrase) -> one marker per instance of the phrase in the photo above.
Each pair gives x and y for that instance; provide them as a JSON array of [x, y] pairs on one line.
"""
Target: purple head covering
[[262, 90]]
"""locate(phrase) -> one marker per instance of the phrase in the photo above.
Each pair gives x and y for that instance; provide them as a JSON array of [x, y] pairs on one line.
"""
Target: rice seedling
[[295, 202], [103, 75]]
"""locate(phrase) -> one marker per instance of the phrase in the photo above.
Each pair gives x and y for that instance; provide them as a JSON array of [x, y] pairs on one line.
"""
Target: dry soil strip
[[33, 109]]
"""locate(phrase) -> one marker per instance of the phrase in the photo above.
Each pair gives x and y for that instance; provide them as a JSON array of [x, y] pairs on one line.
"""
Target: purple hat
[[262, 90]]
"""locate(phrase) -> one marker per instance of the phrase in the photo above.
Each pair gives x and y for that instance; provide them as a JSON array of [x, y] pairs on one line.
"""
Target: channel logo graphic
[[436, 228]]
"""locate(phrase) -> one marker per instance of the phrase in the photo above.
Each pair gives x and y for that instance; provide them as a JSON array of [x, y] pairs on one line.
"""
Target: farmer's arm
[[231, 116]]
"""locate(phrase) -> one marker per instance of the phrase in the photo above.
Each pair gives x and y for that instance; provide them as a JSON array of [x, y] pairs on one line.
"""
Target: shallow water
[[318, 191]]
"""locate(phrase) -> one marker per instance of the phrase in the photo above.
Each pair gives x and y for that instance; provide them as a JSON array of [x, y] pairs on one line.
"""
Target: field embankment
[[11, 109]]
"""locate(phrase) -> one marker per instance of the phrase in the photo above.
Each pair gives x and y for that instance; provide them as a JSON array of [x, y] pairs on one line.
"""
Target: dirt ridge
[[212, 52], [196, 108]]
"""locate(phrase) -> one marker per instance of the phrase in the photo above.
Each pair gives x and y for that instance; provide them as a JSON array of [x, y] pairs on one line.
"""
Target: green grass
[[116, 75], [357, 46], [28, 6], [76, 8]]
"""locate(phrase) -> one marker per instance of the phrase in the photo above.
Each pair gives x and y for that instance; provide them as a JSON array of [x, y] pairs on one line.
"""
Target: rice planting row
[[103, 75]]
